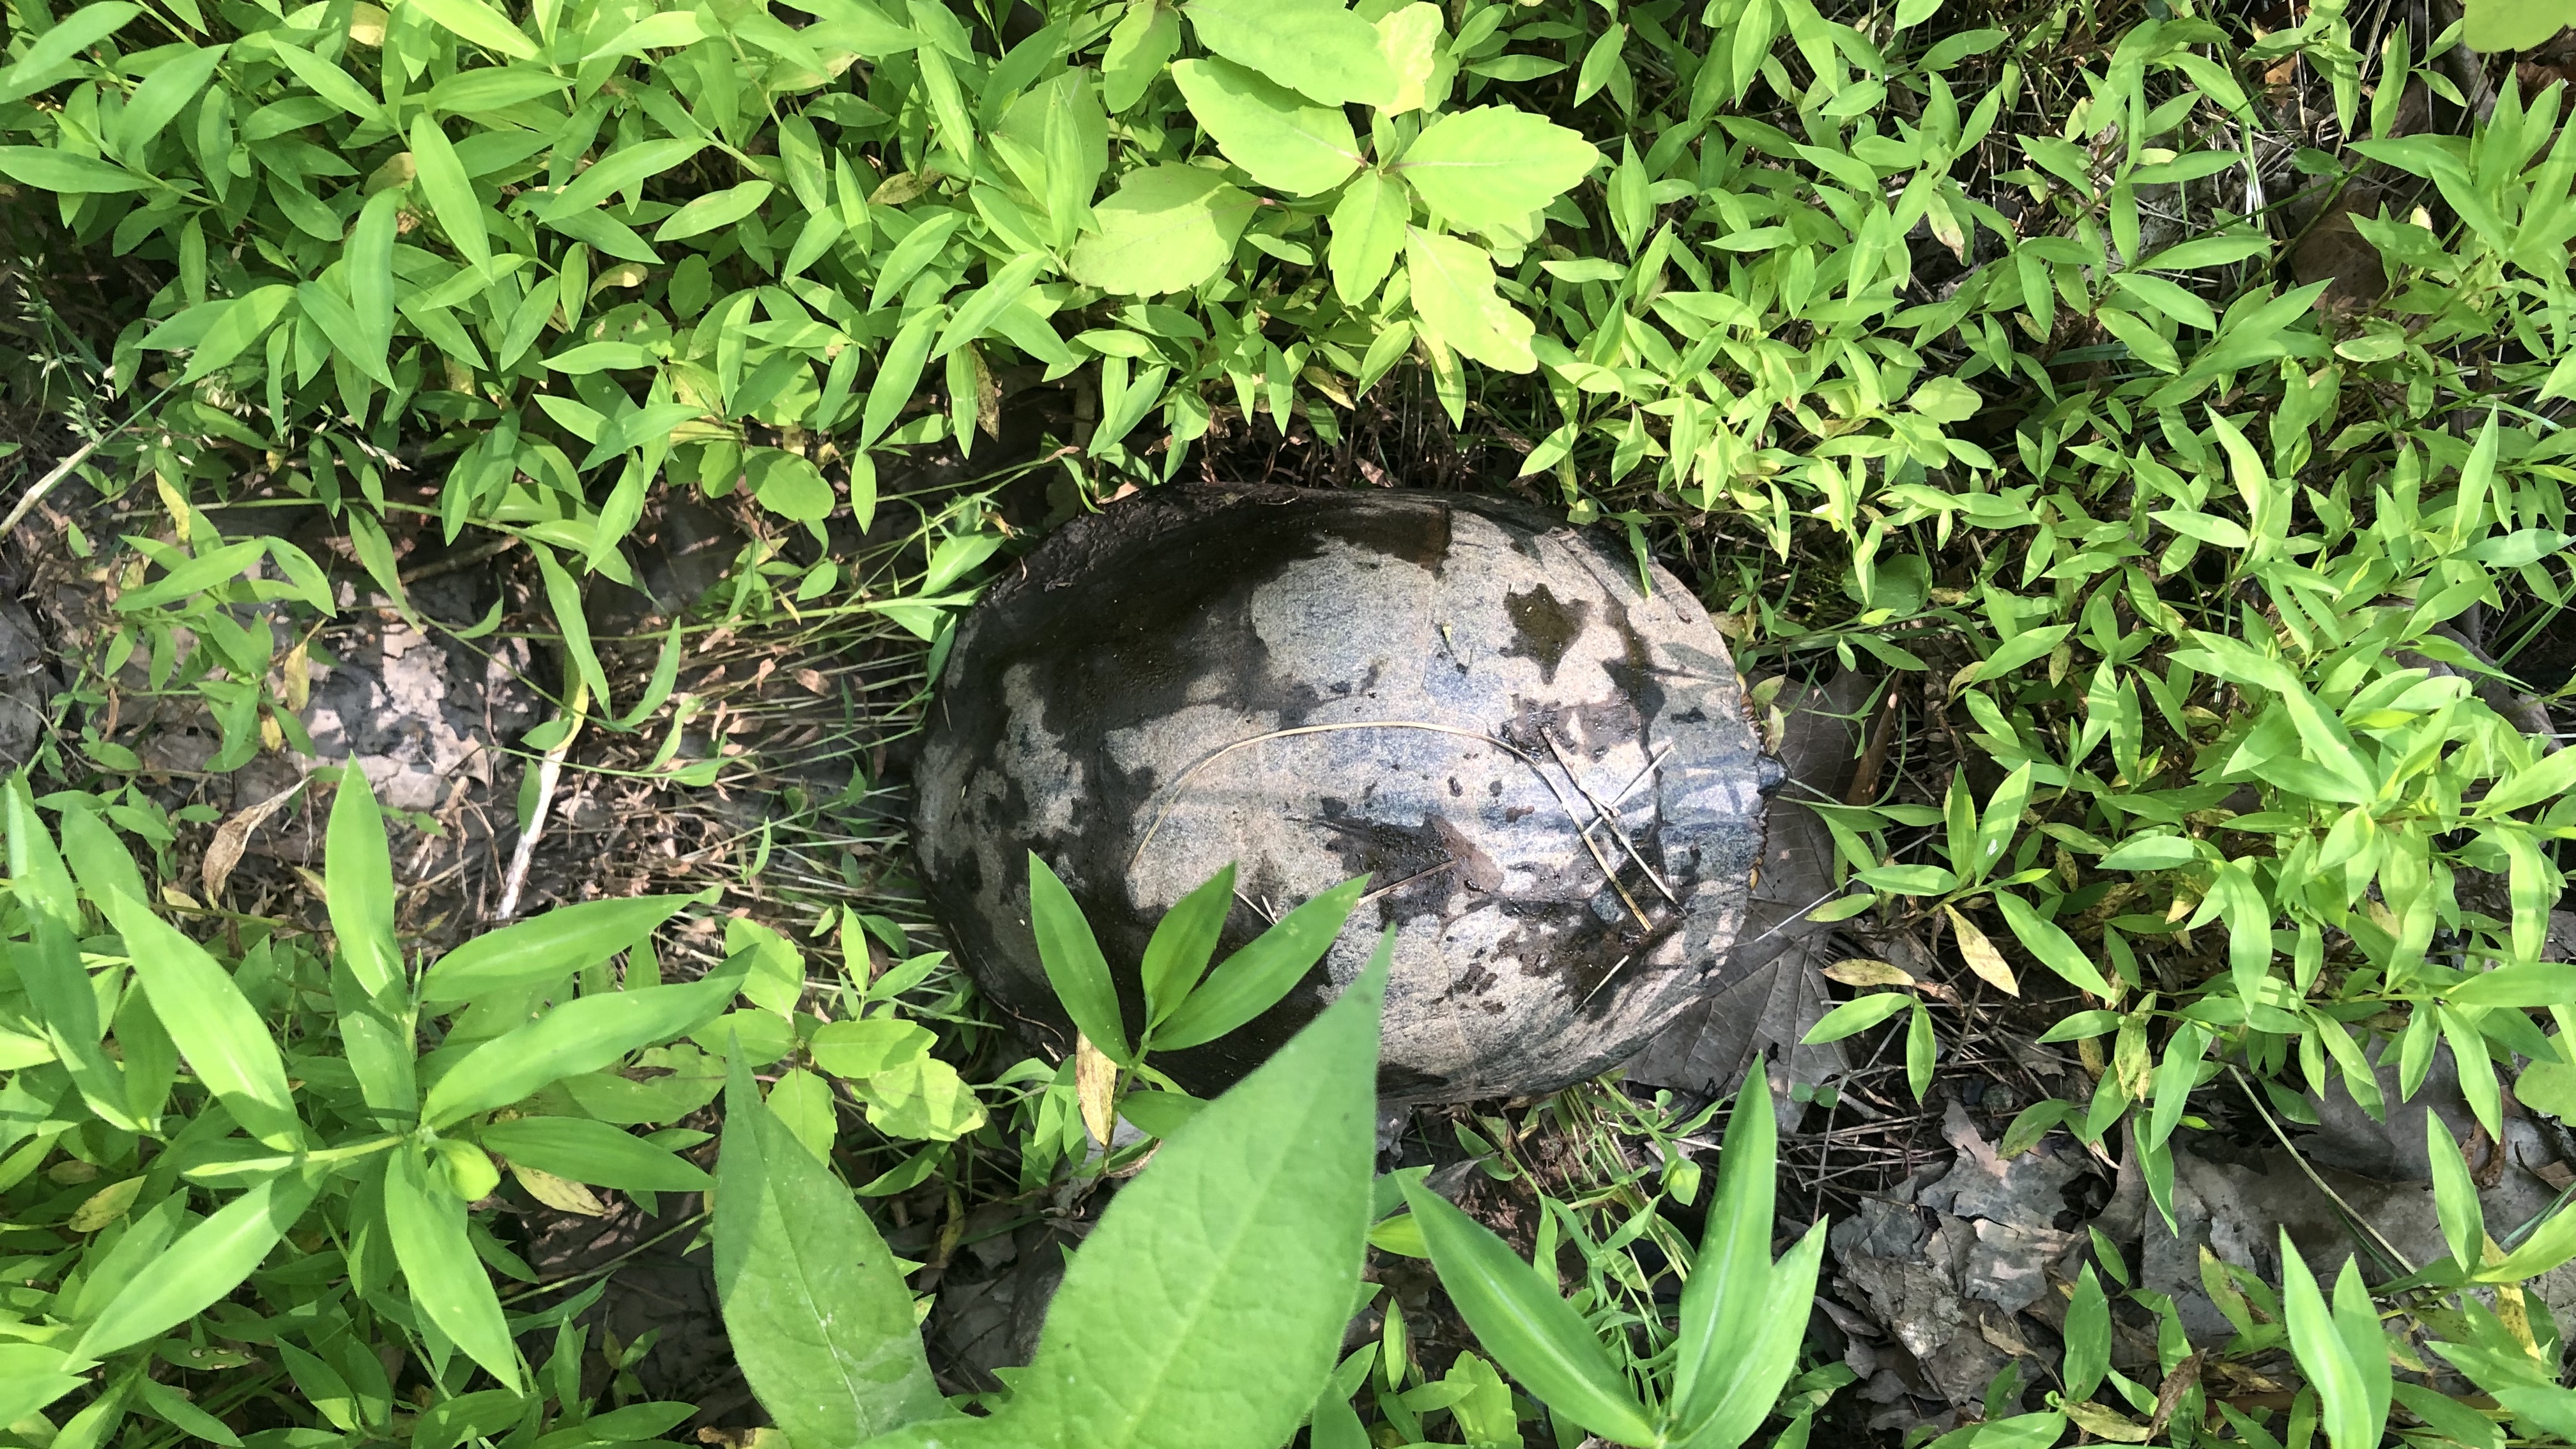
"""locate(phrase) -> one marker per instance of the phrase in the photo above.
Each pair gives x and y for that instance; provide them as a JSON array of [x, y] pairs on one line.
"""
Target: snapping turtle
[[1544, 770]]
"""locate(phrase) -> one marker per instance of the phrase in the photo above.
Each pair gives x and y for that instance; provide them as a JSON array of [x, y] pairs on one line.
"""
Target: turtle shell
[[1532, 742]]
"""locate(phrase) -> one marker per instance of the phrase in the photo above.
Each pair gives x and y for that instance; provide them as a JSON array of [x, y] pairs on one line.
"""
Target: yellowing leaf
[[105, 1205], [1862, 971], [1095, 1086], [1982, 957]]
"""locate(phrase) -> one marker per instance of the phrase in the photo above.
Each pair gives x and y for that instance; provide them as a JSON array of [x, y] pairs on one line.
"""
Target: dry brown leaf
[[1095, 1086], [233, 837], [1862, 971], [1981, 954], [812, 679], [559, 1193]]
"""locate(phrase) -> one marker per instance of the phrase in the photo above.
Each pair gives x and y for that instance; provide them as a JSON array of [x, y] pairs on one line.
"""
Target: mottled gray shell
[[1319, 684]]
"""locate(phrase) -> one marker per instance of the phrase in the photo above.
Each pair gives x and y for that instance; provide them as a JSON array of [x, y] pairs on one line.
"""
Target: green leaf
[[1945, 399], [2150, 852], [2455, 1194], [1453, 295], [1167, 228], [1139, 45], [899, 374], [450, 193], [581, 1150], [547, 948], [426, 1226], [358, 875], [2552, 776], [65, 171], [624, 168], [1251, 980], [1255, 1212], [242, 322], [1722, 1303], [2208, 251], [2495, 25], [214, 1025], [1318, 48], [2342, 1401], [1493, 166], [481, 24], [788, 484], [173, 84], [59, 46], [1520, 1320], [865, 1047], [328, 81], [1858, 1015], [821, 1321], [206, 1263], [1367, 231], [922, 1099], [1074, 966], [583, 1035], [2167, 297], [2357, 1322], [713, 210], [1183, 943], [2088, 1336], [2055, 949], [1269, 131]]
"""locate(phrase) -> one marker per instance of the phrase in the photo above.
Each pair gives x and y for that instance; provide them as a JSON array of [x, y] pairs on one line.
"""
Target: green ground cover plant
[[1995, 350]]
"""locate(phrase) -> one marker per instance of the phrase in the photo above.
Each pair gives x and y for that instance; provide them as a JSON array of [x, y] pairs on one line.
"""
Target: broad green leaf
[[99, 861], [1318, 48], [1183, 943], [31, 1376], [821, 1320], [358, 873], [788, 484], [579, 1036], [1139, 45], [2495, 25], [1251, 980], [1167, 228], [1282, 139], [581, 1150], [546, 948], [1255, 1212], [479, 23], [206, 1263], [1493, 166], [68, 172], [899, 373], [1453, 295], [426, 1226], [713, 210], [207, 569], [328, 81], [215, 1027], [2455, 1194], [921, 1099], [2055, 949], [1074, 966], [1367, 231], [1772, 1357], [863, 1048], [803, 1101], [449, 192], [2167, 297], [1520, 1320]]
